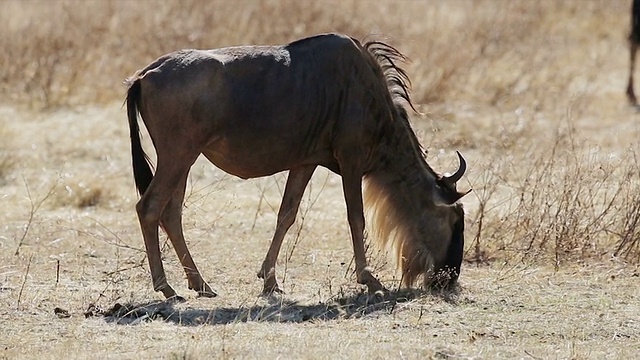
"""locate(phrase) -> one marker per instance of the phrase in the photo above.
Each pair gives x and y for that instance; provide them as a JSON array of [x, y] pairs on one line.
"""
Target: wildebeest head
[[426, 228], [414, 209], [438, 249]]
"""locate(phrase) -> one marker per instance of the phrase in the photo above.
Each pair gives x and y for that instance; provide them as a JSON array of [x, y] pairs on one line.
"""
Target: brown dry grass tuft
[[531, 92], [476, 50], [570, 205]]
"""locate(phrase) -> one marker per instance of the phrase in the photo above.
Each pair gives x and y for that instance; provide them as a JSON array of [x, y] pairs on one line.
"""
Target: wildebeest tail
[[634, 35], [142, 172]]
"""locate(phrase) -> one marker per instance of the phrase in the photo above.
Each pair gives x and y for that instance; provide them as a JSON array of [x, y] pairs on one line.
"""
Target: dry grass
[[532, 93]]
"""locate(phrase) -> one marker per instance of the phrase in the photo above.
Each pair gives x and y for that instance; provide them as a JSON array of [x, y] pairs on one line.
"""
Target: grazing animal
[[634, 42], [254, 111]]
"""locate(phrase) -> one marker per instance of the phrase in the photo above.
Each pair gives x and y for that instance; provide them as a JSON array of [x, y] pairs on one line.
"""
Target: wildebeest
[[254, 111], [634, 41]]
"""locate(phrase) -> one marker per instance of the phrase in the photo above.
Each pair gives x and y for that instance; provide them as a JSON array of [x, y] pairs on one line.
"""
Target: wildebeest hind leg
[[171, 222], [150, 208], [293, 191]]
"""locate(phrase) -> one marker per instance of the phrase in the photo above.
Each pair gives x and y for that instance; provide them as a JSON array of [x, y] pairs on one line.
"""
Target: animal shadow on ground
[[273, 309]]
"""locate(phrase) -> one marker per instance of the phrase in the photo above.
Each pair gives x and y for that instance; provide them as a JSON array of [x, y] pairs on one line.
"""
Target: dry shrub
[[627, 229], [73, 52], [563, 202], [80, 195]]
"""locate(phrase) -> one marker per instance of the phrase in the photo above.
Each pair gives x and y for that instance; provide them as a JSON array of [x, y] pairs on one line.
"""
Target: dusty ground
[[508, 309], [533, 96], [500, 313]]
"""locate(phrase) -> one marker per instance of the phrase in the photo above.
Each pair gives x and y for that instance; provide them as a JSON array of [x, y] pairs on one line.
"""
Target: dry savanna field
[[531, 92]]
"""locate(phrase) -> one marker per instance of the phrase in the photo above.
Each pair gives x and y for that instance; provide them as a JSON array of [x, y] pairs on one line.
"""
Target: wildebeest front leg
[[293, 191], [171, 222], [352, 187]]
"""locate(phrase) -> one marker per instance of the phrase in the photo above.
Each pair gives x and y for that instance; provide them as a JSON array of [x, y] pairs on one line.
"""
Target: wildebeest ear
[[449, 192], [462, 194]]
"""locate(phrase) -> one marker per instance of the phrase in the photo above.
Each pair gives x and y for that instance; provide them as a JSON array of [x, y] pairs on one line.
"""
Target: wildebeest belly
[[262, 157]]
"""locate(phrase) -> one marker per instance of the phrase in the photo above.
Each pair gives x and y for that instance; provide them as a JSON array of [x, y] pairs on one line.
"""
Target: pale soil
[[506, 310], [501, 312]]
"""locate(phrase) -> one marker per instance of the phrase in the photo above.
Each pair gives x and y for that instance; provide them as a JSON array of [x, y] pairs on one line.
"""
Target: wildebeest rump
[[634, 41], [257, 110]]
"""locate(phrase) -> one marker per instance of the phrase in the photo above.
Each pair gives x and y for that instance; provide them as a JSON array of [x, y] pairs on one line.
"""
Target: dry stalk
[[629, 232], [311, 201], [24, 282], [304, 210], [34, 207], [568, 203], [485, 195]]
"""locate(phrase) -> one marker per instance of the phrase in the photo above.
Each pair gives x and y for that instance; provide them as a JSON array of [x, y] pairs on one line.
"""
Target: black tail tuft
[[142, 172]]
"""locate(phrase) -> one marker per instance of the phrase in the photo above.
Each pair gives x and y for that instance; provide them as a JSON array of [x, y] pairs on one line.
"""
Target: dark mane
[[399, 86], [398, 81]]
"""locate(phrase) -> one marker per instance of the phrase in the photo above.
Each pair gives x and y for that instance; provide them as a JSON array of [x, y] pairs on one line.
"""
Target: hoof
[[176, 299], [375, 287], [376, 297], [271, 290], [203, 289], [167, 291], [207, 294], [381, 293]]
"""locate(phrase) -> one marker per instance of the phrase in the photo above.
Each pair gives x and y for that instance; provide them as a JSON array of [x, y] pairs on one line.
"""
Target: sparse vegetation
[[531, 92], [570, 203]]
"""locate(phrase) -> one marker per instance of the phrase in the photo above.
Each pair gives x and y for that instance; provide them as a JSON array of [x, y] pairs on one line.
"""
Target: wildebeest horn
[[453, 179]]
